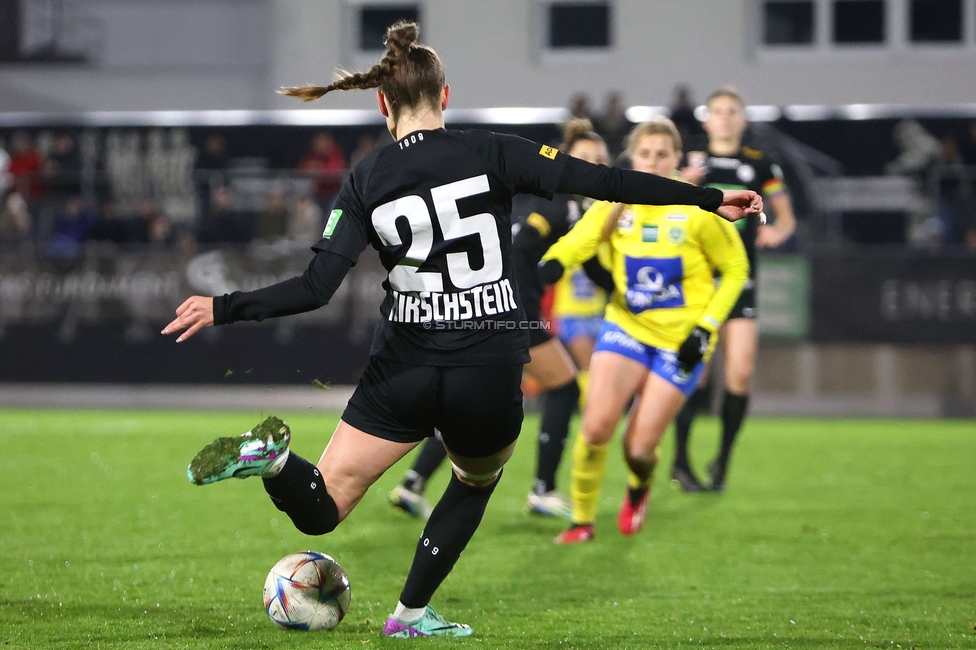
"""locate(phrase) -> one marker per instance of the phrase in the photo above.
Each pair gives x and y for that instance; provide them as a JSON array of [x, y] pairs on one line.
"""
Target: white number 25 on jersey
[[406, 275]]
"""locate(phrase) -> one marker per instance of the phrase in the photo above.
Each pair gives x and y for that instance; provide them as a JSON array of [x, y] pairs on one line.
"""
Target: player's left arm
[[784, 224], [724, 251], [345, 237]]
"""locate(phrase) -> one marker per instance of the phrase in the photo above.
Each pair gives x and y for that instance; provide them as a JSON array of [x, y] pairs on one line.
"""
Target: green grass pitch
[[833, 534]]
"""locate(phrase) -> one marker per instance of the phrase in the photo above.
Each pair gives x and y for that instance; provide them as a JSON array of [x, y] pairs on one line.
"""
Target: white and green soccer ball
[[307, 591]]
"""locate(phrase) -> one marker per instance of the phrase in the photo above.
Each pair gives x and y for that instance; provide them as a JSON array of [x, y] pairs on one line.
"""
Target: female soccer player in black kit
[[541, 222], [729, 165], [448, 352]]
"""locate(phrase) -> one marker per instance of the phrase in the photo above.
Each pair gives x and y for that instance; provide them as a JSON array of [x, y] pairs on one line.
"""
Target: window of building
[[375, 18], [935, 21], [787, 22], [856, 28], [859, 21], [578, 25]]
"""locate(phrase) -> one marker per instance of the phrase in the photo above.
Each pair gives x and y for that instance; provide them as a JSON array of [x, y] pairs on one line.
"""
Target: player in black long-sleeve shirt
[[539, 223], [448, 353]]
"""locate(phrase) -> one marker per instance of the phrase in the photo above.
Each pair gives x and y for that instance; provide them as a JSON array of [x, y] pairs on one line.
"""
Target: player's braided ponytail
[[408, 74]]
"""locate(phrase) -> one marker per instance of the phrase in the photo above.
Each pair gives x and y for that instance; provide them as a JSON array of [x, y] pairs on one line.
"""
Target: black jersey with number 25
[[436, 205]]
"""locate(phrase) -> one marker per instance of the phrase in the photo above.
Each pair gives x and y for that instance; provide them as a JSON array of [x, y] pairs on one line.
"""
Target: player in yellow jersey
[[660, 325]]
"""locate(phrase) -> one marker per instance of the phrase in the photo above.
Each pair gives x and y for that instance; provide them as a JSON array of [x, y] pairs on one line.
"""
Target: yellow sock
[[583, 379], [589, 466], [634, 482]]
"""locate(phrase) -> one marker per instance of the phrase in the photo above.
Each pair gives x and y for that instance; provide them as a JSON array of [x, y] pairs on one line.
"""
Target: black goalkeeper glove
[[550, 272], [693, 350]]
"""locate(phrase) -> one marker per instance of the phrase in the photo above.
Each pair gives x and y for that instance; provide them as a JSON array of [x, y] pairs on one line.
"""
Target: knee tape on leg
[[476, 478]]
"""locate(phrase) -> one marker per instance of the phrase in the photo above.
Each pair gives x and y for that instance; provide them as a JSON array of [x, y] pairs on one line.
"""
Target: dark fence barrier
[[893, 298], [97, 317], [99, 320]]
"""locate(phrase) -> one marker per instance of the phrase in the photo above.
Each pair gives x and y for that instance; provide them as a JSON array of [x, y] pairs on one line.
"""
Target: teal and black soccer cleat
[[549, 504], [430, 624], [412, 503], [249, 454]]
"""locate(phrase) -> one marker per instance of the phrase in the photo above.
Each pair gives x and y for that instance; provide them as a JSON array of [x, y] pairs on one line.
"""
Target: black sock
[[635, 495], [451, 525], [558, 408], [299, 491], [682, 428], [733, 413], [431, 455]]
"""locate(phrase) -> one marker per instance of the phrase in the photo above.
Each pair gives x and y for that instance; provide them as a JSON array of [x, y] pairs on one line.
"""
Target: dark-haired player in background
[[541, 222], [448, 352], [728, 164]]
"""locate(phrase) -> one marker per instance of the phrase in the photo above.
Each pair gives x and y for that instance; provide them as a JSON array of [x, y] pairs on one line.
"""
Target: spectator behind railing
[[326, 163], [62, 168], [953, 192], [305, 222], [225, 223], [272, 222], [967, 149], [613, 125], [683, 114], [71, 228], [15, 220], [5, 179], [26, 167], [579, 106], [364, 146]]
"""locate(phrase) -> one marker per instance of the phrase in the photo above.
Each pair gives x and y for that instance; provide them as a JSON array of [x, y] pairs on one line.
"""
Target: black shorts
[[745, 306], [477, 409]]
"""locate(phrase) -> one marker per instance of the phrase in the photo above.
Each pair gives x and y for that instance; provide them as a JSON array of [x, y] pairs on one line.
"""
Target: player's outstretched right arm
[[633, 187], [306, 292]]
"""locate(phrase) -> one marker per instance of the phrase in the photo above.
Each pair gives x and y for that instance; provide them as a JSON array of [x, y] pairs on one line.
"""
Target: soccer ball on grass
[[307, 591]]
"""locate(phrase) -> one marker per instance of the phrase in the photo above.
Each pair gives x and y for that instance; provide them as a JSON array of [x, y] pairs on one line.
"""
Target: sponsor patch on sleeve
[[548, 152], [331, 224]]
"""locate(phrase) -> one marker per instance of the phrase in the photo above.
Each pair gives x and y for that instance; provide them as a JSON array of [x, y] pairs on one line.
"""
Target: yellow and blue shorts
[[663, 363], [571, 327]]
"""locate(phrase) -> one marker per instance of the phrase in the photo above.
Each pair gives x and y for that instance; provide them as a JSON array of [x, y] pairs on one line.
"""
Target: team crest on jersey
[[649, 234], [676, 235], [654, 283], [548, 152], [331, 224], [625, 222], [746, 173]]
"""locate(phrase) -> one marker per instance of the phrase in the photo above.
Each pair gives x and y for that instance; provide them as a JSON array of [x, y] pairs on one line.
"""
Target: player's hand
[[770, 237], [693, 175], [739, 204], [194, 314], [550, 272], [693, 350]]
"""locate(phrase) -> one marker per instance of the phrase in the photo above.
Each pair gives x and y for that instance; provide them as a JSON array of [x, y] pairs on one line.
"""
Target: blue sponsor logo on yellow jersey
[[654, 283]]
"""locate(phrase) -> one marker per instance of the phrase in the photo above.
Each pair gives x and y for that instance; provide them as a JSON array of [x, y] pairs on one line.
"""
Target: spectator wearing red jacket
[[26, 168], [326, 163]]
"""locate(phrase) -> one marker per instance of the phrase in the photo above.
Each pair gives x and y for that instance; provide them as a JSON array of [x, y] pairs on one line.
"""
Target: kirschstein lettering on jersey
[[483, 301], [654, 283]]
